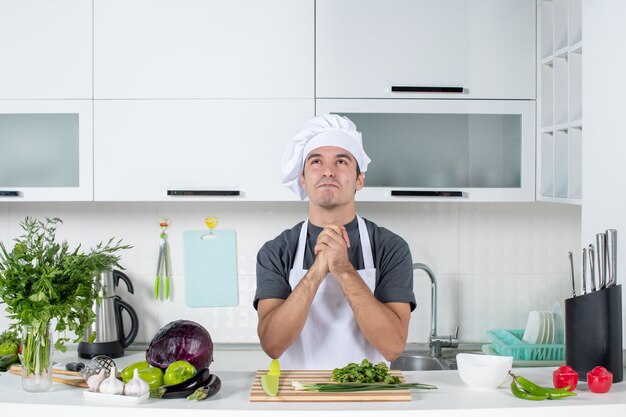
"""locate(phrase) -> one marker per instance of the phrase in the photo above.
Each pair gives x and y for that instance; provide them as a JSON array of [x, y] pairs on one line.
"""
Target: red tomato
[[565, 376], [599, 380]]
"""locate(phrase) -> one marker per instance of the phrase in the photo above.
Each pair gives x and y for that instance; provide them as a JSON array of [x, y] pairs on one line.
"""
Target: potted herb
[[44, 282]]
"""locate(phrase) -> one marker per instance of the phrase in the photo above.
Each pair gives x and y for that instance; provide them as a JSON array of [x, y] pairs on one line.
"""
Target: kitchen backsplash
[[494, 261]]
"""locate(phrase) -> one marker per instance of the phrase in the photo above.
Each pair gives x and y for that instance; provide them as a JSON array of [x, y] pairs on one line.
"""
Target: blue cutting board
[[210, 268]]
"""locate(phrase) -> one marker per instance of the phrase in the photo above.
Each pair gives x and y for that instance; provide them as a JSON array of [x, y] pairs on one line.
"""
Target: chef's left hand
[[334, 242]]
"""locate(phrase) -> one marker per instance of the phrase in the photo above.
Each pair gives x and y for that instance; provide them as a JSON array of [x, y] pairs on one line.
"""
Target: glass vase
[[36, 357]]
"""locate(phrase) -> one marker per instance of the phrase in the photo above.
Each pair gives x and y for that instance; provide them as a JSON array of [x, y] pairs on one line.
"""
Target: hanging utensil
[[611, 254], [571, 272], [163, 265]]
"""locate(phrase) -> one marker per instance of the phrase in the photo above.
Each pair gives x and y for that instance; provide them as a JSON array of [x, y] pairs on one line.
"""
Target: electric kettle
[[110, 336]]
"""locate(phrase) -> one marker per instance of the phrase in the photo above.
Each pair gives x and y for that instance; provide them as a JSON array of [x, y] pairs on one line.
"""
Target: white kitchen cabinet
[[146, 150], [46, 150], [559, 104], [444, 150], [485, 48], [203, 49], [46, 49]]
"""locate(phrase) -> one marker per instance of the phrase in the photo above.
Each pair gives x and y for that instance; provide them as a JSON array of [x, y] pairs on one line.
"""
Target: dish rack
[[508, 342]]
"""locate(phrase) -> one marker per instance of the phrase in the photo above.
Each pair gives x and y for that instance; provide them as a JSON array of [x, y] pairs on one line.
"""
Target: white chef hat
[[324, 130]]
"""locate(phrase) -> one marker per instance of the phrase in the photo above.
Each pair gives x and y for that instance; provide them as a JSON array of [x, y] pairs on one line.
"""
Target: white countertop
[[451, 397]]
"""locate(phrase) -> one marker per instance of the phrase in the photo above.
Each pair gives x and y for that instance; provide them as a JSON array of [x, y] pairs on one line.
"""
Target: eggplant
[[210, 389], [185, 388]]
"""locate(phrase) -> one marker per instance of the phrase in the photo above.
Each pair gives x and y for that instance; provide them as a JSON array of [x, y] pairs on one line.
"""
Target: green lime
[[269, 383], [178, 372], [274, 367]]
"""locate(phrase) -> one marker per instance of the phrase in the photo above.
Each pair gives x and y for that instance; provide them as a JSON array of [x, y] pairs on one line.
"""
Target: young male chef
[[335, 288]]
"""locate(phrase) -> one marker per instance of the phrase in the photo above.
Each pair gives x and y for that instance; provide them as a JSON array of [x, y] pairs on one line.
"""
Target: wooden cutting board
[[287, 393]]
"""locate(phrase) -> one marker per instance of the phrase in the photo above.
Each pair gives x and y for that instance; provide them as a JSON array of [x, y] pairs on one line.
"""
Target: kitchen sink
[[413, 362], [423, 361]]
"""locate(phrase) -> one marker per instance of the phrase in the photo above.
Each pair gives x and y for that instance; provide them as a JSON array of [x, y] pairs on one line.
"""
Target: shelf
[[559, 95], [574, 124], [576, 48], [576, 202]]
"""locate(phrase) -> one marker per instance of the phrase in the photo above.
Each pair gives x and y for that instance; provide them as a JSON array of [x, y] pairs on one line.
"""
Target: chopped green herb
[[365, 373]]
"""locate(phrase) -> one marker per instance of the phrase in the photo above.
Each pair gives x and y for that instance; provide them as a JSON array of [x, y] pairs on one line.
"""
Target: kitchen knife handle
[[583, 287], [425, 89], [611, 255], [203, 193], [592, 268], [601, 257], [571, 272], [416, 193], [9, 193]]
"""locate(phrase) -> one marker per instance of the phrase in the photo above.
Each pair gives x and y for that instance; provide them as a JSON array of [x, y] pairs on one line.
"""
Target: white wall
[[494, 262], [604, 143]]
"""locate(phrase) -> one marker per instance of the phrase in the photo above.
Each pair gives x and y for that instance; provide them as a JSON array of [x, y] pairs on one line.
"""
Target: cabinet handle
[[424, 89], [9, 193], [409, 193], [199, 193]]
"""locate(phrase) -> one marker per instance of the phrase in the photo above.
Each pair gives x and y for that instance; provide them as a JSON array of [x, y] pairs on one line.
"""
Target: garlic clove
[[94, 381], [112, 385], [136, 387]]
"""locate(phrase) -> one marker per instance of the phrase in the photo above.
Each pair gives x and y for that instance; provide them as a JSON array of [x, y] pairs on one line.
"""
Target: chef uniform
[[330, 337]]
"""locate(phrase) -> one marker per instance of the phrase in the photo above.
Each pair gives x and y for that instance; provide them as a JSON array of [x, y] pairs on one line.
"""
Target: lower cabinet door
[[193, 150]]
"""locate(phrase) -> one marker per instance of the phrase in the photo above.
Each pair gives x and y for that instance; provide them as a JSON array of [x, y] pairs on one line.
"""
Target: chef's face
[[330, 176]]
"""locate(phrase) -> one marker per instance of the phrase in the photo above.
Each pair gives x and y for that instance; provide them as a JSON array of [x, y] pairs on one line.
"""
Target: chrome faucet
[[436, 342]]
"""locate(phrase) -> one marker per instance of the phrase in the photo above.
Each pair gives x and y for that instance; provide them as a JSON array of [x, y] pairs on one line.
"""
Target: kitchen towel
[[210, 268]]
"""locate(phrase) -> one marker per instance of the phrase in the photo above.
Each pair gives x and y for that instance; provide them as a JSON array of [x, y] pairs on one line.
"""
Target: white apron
[[331, 337]]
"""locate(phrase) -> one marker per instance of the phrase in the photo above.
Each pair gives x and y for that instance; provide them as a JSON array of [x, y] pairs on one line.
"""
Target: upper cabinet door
[[484, 48], [46, 150], [194, 150], [203, 49], [46, 49]]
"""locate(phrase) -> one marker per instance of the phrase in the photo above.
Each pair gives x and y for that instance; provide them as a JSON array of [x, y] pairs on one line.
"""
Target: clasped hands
[[331, 251]]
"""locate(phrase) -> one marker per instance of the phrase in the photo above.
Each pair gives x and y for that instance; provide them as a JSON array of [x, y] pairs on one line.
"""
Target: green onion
[[353, 387]]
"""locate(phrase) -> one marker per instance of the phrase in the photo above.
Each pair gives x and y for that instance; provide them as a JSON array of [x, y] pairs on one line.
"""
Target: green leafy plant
[[43, 281]]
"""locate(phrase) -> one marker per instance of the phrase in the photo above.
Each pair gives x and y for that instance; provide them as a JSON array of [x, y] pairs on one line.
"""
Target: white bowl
[[483, 371]]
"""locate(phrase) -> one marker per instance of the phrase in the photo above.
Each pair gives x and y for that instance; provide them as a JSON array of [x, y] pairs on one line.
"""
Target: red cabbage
[[181, 340]]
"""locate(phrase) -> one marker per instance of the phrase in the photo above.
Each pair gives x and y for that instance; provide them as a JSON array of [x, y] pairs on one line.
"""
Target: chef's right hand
[[320, 265]]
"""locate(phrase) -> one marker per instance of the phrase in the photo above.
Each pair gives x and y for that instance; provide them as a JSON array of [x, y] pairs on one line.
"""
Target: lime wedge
[[269, 383], [274, 367]]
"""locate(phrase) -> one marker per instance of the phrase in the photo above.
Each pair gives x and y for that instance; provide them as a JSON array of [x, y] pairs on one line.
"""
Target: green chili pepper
[[528, 390], [525, 395]]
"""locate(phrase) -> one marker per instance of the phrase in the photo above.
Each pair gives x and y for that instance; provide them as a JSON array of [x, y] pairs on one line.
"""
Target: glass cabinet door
[[46, 150], [476, 150]]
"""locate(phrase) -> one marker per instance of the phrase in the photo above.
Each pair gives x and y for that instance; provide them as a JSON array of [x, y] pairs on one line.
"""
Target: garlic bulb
[[112, 385], [136, 387], [94, 381]]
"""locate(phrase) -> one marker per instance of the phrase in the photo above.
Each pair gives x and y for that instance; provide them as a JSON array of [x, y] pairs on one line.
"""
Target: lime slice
[[274, 367], [269, 383]]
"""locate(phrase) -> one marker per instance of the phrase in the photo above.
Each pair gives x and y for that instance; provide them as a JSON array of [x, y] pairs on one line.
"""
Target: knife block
[[593, 332]]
